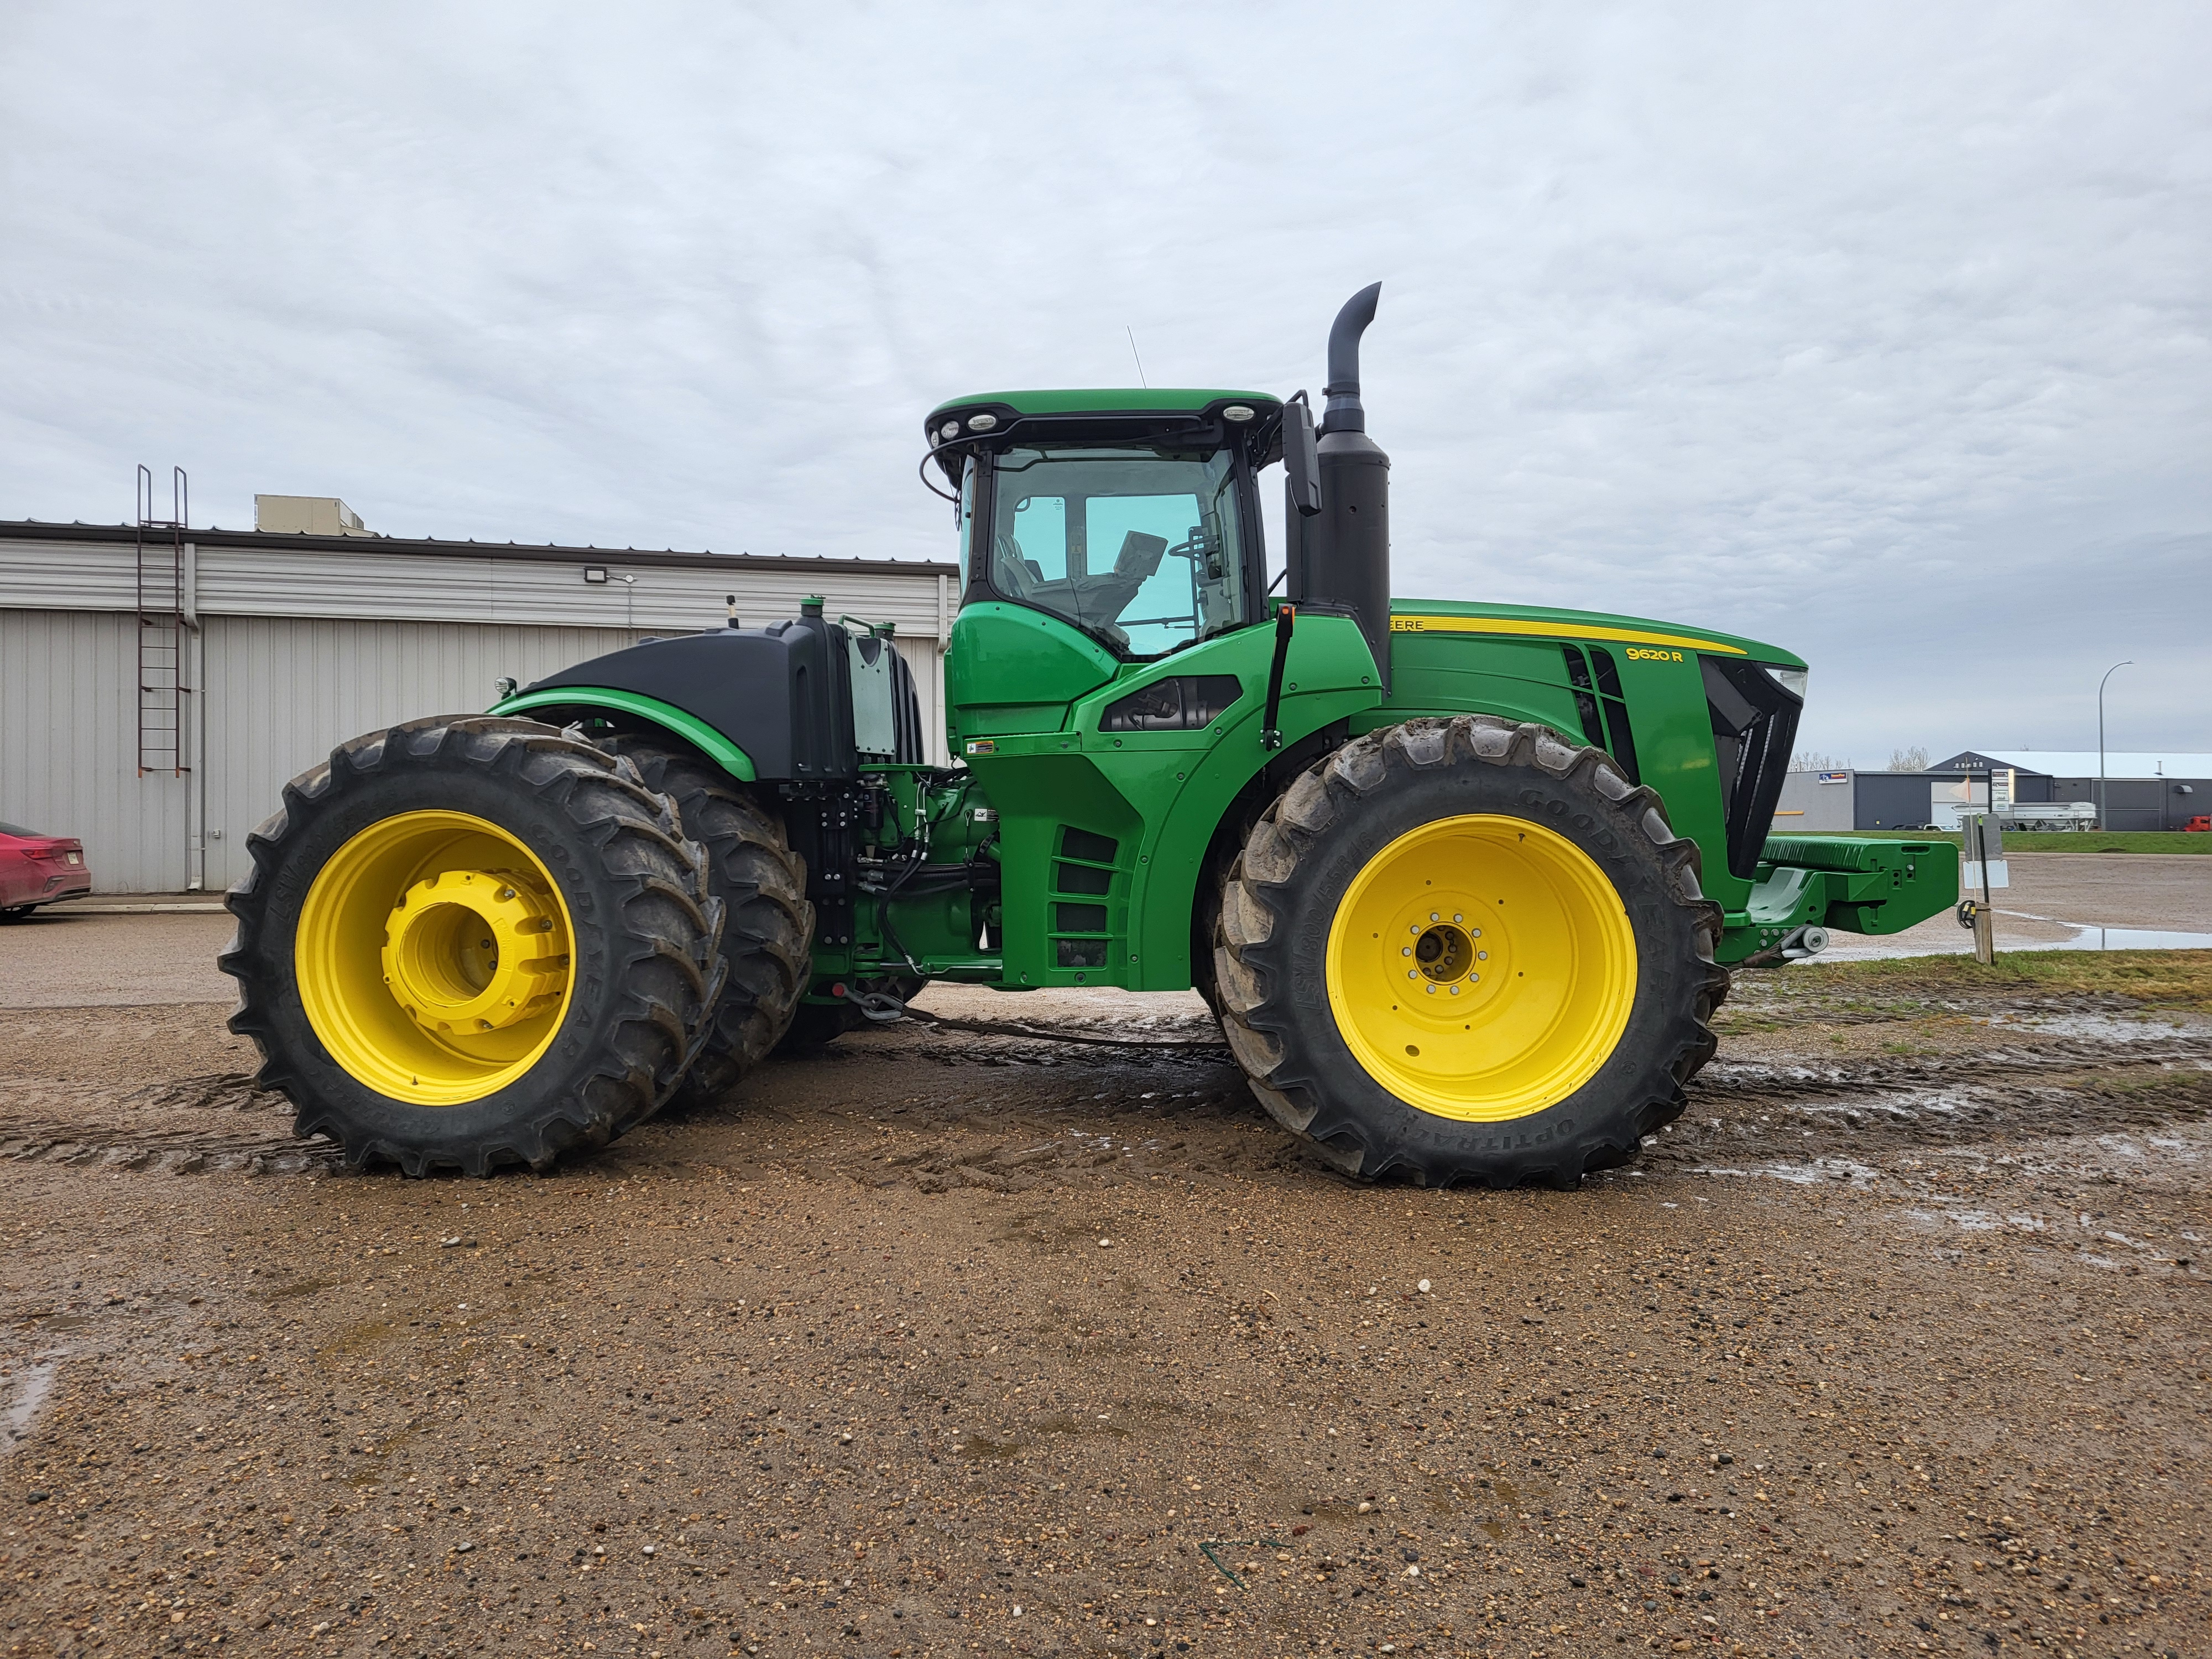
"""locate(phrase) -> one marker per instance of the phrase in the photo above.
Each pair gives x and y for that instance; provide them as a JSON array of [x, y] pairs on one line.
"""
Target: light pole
[[2109, 673]]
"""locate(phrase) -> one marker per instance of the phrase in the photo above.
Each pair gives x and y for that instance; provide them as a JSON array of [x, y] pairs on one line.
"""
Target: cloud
[[1881, 333]]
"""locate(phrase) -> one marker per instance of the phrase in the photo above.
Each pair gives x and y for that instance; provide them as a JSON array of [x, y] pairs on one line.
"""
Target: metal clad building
[[2137, 790], [286, 645]]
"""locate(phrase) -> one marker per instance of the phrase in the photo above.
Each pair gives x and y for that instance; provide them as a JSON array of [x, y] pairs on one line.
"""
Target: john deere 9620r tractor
[[1461, 881]]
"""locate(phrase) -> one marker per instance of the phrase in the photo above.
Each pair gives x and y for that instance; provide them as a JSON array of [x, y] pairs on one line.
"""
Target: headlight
[[1791, 680]]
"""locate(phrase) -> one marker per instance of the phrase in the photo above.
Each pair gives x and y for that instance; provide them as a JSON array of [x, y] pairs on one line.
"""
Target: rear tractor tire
[[769, 937], [470, 941], [1467, 950]]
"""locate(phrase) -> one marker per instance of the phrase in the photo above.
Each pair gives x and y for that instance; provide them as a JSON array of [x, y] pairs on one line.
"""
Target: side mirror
[[1301, 458]]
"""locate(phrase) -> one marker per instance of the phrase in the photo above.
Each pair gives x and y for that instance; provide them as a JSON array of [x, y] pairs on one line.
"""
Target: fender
[[586, 699]]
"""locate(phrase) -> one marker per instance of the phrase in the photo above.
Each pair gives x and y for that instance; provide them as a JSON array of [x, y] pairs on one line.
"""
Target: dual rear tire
[[468, 942]]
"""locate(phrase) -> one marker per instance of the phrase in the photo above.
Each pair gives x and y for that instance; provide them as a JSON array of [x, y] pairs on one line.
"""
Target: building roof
[[2081, 762], [403, 546]]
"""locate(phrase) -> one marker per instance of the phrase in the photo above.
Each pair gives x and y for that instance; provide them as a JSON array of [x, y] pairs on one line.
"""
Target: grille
[[1754, 725]]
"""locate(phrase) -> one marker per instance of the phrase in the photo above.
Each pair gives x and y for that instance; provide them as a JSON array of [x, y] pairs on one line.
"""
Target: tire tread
[[669, 926], [1245, 968]]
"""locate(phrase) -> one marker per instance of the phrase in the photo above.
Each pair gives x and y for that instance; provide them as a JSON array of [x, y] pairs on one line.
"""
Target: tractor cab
[[1130, 517]]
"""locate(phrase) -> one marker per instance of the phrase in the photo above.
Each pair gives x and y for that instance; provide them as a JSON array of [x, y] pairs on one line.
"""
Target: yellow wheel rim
[[1481, 968], [433, 958]]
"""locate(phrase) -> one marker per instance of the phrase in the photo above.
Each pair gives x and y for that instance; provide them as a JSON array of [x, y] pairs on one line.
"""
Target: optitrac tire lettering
[[575, 851], [1533, 1023]]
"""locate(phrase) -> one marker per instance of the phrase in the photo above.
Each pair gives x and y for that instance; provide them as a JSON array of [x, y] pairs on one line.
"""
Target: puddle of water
[[2131, 939], [33, 1384], [1818, 1173], [2105, 1027], [2090, 937], [1984, 1221]]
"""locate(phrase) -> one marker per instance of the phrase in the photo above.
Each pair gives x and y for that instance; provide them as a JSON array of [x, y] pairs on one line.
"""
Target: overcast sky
[[1878, 332]]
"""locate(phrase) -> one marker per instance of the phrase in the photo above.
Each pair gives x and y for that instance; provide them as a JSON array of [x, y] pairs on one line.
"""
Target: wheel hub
[[467, 951], [1480, 967], [1447, 947]]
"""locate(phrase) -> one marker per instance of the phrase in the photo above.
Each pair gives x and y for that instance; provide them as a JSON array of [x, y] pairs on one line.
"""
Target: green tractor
[[1463, 882]]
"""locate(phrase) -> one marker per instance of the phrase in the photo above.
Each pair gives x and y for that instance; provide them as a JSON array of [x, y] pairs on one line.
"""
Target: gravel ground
[[946, 1342], [59, 959]]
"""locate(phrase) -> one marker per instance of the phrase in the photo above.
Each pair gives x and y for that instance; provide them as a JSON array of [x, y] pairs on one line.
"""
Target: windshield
[[1141, 547]]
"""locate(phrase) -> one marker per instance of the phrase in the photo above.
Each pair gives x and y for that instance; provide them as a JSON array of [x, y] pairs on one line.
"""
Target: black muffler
[[1340, 557]]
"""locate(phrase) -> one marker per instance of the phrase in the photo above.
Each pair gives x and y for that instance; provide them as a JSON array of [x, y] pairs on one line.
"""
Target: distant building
[[1847, 798], [2141, 792]]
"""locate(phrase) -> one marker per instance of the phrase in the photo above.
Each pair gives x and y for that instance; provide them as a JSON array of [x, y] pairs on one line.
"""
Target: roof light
[[950, 429], [1236, 412], [1791, 680], [981, 422]]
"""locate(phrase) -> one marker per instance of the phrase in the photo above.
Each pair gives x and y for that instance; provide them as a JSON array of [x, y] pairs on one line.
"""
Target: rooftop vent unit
[[306, 515]]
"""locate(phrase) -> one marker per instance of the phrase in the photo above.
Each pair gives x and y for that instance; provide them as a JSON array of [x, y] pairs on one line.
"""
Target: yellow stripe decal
[[1552, 631]]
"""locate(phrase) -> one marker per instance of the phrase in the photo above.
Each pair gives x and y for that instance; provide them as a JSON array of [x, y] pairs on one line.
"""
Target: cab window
[[1142, 548]]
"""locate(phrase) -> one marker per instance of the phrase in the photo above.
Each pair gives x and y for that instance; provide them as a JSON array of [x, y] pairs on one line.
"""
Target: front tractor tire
[[1465, 951], [471, 941]]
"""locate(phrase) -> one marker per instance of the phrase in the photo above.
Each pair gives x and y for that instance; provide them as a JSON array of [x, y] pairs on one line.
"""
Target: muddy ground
[[947, 1343]]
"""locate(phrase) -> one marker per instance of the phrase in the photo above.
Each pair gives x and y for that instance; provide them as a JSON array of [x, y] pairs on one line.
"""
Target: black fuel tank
[[783, 693]]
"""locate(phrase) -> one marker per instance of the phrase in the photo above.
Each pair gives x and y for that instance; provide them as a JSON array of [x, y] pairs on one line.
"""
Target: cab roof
[[1107, 400], [1180, 415]]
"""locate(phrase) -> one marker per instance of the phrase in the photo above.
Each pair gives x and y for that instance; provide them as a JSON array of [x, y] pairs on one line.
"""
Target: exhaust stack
[[1340, 560]]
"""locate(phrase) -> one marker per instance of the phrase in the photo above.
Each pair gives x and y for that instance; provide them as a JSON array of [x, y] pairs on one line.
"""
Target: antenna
[[1132, 333]]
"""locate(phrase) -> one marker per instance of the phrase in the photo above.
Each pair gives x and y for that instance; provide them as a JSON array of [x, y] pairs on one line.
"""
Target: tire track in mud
[[42, 1122], [2148, 1078], [1078, 1111], [174, 1153]]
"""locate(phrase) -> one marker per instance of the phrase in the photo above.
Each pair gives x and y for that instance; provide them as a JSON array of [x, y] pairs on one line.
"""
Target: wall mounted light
[[595, 572]]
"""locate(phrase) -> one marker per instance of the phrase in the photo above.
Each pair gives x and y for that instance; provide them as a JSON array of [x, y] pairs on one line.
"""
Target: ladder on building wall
[[161, 687]]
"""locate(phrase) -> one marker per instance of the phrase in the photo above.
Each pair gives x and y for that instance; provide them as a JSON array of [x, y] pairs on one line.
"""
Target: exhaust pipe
[[1343, 412], [1340, 560]]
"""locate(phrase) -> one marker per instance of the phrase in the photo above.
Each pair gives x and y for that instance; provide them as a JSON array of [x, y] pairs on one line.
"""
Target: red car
[[2202, 824], [36, 869]]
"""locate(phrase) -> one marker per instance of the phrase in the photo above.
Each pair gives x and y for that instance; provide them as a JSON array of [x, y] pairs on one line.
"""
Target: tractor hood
[[1543, 621]]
